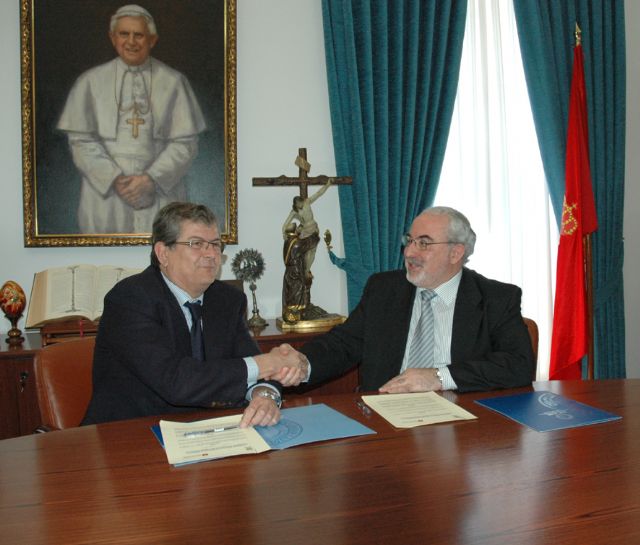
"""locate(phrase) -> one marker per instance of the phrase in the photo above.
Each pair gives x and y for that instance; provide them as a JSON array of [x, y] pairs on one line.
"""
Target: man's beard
[[417, 277]]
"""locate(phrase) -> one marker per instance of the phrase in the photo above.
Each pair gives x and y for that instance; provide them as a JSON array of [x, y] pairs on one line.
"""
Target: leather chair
[[533, 333], [63, 376]]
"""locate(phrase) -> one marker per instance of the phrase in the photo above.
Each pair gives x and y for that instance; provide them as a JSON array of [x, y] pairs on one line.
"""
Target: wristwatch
[[271, 394]]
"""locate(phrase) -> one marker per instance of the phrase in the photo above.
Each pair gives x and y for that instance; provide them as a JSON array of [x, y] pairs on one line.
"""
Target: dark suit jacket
[[490, 345], [142, 362]]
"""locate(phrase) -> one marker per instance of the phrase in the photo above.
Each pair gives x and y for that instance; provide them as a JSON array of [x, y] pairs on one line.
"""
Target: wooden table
[[488, 481]]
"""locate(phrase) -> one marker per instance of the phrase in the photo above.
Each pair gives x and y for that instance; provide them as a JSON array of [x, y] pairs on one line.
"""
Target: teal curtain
[[392, 68], [546, 33]]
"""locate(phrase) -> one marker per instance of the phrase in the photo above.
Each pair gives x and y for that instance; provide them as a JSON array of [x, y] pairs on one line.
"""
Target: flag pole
[[588, 266], [573, 337], [588, 272]]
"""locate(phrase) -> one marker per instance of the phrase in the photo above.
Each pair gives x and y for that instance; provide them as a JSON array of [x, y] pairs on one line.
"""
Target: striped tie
[[421, 353]]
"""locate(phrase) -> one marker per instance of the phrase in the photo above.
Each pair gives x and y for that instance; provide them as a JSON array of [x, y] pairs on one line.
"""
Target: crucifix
[[134, 122], [303, 180], [301, 236]]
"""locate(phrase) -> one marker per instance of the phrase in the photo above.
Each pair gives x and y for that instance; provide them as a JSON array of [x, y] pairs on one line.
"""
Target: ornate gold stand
[[14, 336], [329, 320]]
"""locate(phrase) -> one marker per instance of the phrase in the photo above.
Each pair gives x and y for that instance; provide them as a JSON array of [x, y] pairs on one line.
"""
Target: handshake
[[284, 364]]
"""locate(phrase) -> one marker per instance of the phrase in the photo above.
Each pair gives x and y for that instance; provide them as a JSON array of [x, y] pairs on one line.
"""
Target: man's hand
[[284, 364], [292, 376], [413, 380], [262, 411], [137, 191]]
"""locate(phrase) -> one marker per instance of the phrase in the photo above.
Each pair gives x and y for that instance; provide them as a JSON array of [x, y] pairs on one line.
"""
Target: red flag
[[570, 337]]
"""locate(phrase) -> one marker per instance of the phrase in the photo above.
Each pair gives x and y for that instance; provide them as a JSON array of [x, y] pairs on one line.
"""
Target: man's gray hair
[[169, 219], [459, 230], [133, 10]]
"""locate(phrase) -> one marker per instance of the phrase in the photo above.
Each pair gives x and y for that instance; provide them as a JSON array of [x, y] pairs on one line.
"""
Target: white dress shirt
[[443, 306]]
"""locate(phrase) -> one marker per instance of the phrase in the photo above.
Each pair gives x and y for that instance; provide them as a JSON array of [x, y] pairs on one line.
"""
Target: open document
[[221, 437], [187, 442], [419, 409]]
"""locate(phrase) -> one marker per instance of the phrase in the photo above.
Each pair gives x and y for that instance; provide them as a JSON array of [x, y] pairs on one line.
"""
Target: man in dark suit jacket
[[144, 361], [480, 341]]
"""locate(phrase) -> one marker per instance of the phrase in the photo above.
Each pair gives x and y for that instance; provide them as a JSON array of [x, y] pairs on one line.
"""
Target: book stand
[[66, 330]]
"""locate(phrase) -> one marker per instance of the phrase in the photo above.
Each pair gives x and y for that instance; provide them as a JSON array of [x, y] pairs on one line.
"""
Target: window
[[492, 169]]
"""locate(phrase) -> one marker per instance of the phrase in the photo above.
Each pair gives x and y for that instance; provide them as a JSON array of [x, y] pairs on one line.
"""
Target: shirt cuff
[[252, 371], [308, 377], [447, 380]]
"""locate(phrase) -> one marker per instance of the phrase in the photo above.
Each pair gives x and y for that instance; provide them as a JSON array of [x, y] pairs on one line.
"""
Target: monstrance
[[248, 266]]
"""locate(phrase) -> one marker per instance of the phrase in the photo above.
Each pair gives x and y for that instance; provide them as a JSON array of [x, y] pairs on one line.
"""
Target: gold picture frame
[[60, 39]]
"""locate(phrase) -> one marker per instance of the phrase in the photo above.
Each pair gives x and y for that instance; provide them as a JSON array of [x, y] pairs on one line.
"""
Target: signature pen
[[361, 405], [200, 433]]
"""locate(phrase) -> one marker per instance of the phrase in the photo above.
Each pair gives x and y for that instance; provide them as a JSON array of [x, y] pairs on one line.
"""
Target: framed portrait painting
[[126, 107]]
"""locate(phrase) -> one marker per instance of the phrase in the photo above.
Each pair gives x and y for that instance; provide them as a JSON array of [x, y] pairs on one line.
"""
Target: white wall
[[632, 192], [282, 105]]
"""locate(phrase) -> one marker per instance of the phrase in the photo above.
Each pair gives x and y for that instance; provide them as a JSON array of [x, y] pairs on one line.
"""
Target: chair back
[[533, 333], [63, 374]]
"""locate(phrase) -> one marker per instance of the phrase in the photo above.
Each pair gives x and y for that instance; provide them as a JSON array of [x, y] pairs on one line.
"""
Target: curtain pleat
[[392, 69]]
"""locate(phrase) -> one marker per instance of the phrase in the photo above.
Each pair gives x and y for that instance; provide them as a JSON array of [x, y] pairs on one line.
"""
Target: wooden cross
[[134, 122], [303, 180]]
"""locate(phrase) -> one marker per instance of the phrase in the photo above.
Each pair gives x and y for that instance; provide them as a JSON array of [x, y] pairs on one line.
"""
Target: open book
[[76, 291]]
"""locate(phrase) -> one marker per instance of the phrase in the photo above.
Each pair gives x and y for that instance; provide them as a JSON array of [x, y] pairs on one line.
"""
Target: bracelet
[[271, 394]]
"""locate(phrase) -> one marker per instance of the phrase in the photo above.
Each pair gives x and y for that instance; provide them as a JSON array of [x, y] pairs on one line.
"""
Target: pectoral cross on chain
[[303, 180], [134, 122]]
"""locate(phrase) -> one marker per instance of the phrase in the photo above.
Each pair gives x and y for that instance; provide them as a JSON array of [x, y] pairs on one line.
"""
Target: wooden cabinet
[[271, 336], [19, 413]]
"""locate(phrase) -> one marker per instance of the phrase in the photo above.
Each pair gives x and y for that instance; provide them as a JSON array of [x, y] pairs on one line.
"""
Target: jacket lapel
[[175, 315], [467, 317]]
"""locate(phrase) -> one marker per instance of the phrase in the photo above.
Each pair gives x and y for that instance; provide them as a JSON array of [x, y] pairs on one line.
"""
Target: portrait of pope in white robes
[[136, 130], [133, 125]]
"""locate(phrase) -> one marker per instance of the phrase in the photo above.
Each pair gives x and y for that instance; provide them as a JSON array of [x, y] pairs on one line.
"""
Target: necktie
[[421, 352], [197, 342]]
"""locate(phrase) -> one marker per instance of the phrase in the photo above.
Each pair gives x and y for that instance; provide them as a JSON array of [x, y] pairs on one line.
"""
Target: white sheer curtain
[[492, 170]]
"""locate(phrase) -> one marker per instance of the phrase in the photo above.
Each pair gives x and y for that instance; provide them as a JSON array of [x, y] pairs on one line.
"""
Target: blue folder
[[546, 411], [308, 424]]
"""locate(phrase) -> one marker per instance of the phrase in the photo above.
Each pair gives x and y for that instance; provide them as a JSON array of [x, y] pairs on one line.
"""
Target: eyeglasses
[[203, 245], [421, 243]]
